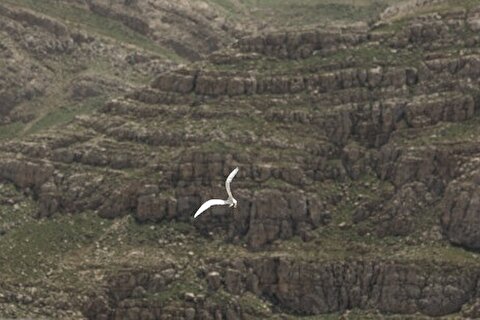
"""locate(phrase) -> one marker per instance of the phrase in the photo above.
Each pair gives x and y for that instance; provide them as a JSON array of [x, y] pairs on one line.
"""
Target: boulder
[[461, 211]]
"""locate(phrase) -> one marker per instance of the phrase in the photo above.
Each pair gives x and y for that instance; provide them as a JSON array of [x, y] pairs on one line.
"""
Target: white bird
[[219, 202]]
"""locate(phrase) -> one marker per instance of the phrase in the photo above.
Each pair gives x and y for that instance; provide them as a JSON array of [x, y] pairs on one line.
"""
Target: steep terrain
[[63, 58], [357, 146]]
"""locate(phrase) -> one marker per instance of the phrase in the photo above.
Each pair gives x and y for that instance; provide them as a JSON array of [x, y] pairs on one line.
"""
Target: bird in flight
[[231, 202]]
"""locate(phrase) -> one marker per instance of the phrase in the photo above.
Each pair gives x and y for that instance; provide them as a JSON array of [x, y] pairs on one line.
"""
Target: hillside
[[67, 57], [356, 137]]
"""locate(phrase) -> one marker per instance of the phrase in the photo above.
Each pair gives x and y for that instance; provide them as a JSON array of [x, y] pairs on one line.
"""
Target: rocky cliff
[[358, 184]]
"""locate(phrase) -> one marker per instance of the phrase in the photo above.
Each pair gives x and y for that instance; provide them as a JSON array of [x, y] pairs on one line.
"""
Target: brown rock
[[399, 215], [190, 313], [233, 281], [151, 207], [316, 288], [176, 82], [214, 280], [460, 219], [119, 202], [48, 199], [210, 86], [24, 173]]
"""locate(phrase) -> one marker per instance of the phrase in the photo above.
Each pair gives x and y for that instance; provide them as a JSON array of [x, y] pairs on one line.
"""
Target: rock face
[[222, 84], [275, 215], [300, 45], [357, 147], [460, 216], [358, 115], [303, 287], [36, 47], [397, 217], [332, 287], [180, 26], [26, 174], [118, 302]]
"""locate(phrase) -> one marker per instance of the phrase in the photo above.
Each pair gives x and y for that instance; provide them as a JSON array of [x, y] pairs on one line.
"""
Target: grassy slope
[[56, 107], [78, 17], [303, 13]]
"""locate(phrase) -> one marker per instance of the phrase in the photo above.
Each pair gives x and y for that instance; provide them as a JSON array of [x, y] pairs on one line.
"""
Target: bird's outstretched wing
[[208, 204], [229, 179]]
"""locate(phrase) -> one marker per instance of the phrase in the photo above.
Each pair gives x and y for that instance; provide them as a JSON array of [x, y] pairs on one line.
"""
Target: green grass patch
[[149, 232], [216, 147], [178, 289], [442, 133], [457, 131], [11, 130], [274, 183], [65, 114], [228, 5], [253, 305], [34, 246], [303, 13], [306, 12]]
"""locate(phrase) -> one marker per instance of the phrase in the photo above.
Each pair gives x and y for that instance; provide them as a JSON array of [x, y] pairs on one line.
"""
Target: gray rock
[[190, 313], [214, 280]]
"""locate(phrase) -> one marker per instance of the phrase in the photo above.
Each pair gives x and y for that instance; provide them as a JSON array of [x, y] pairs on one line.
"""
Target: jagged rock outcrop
[[298, 286], [182, 26], [266, 216], [153, 206], [295, 45], [118, 302], [26, 174], [272, 215], [221, 84], [49, 199], [398, 216], [460, 216], [316, 288], [87, 87]]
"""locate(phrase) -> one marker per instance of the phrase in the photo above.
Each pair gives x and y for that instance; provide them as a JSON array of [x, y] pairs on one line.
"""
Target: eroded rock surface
[[358, 155]]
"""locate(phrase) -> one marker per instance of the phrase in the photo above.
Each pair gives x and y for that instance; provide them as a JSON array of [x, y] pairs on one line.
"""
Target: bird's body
[[231, 202]]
